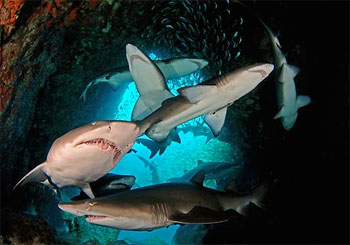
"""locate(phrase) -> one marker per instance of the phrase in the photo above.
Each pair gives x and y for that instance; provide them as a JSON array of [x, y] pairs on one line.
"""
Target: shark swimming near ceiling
[[287, 99], [173, 68], [211, 97], [84, 155], [156, 206]]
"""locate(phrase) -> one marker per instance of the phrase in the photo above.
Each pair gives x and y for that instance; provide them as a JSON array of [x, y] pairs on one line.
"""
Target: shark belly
[[183, 114]]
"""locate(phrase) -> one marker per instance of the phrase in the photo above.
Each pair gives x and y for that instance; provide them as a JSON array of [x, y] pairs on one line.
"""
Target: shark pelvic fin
[[216, 120], [160, 137], [303, 100], [287, 71], [175, 136], [87, 190], [36, 175], [280, 113], [194, 94], [200, 215], [198, 178]]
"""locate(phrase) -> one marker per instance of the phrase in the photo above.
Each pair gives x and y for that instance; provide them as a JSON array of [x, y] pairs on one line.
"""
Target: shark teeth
[[104, 144], [90, 218]]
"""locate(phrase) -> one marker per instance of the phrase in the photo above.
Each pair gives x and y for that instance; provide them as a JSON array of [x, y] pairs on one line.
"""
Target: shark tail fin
[[154, 147], [83, 94], [148, 103], [303, 100], [36, 175]]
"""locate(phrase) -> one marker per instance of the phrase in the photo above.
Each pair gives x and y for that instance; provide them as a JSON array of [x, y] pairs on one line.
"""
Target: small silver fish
[[169, 27], [237, 55]]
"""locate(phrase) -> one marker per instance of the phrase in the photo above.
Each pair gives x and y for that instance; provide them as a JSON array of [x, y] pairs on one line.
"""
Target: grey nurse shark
[[84, 155], [171, 68], [211, 97], [157, 206], [287, 99]]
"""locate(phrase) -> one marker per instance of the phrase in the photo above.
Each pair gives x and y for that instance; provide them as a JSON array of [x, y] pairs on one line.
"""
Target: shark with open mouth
[[84, 155]]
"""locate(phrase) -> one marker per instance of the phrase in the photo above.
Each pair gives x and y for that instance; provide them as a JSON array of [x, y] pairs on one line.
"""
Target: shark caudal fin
[[37, 175], [83, 94], [150, 83]]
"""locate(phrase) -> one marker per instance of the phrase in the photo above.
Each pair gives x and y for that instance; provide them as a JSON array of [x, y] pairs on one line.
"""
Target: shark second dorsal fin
[[303, 100], [216, 120], [198, 178], [194, 94]]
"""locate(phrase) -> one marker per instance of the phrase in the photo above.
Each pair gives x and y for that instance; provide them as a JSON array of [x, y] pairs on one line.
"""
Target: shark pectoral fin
[[303, 100], [87, 190], [216, 120], [194, 94], [36, 175], [198, 178], [280, 113], [201, 215]]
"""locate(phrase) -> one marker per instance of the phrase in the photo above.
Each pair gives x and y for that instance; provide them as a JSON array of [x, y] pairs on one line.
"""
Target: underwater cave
[[51, 51]]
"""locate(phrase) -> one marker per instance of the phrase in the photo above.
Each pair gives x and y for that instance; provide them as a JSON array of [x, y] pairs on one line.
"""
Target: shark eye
[[93, 123], [108, 77], [110, 127], [91, 204]]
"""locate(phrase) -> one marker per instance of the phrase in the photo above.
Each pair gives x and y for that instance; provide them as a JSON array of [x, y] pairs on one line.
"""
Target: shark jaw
[[104, 145]]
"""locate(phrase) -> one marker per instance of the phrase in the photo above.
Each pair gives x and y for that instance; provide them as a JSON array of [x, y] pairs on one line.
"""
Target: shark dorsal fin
[[194, 94], [216, 120], [303, 100], [198, 178]]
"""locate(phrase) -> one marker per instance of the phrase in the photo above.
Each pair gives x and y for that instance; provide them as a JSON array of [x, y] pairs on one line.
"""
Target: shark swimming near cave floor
[[156, 206]]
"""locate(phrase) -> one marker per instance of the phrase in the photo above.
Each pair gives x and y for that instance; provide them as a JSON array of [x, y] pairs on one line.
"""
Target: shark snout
[[70, 208]]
